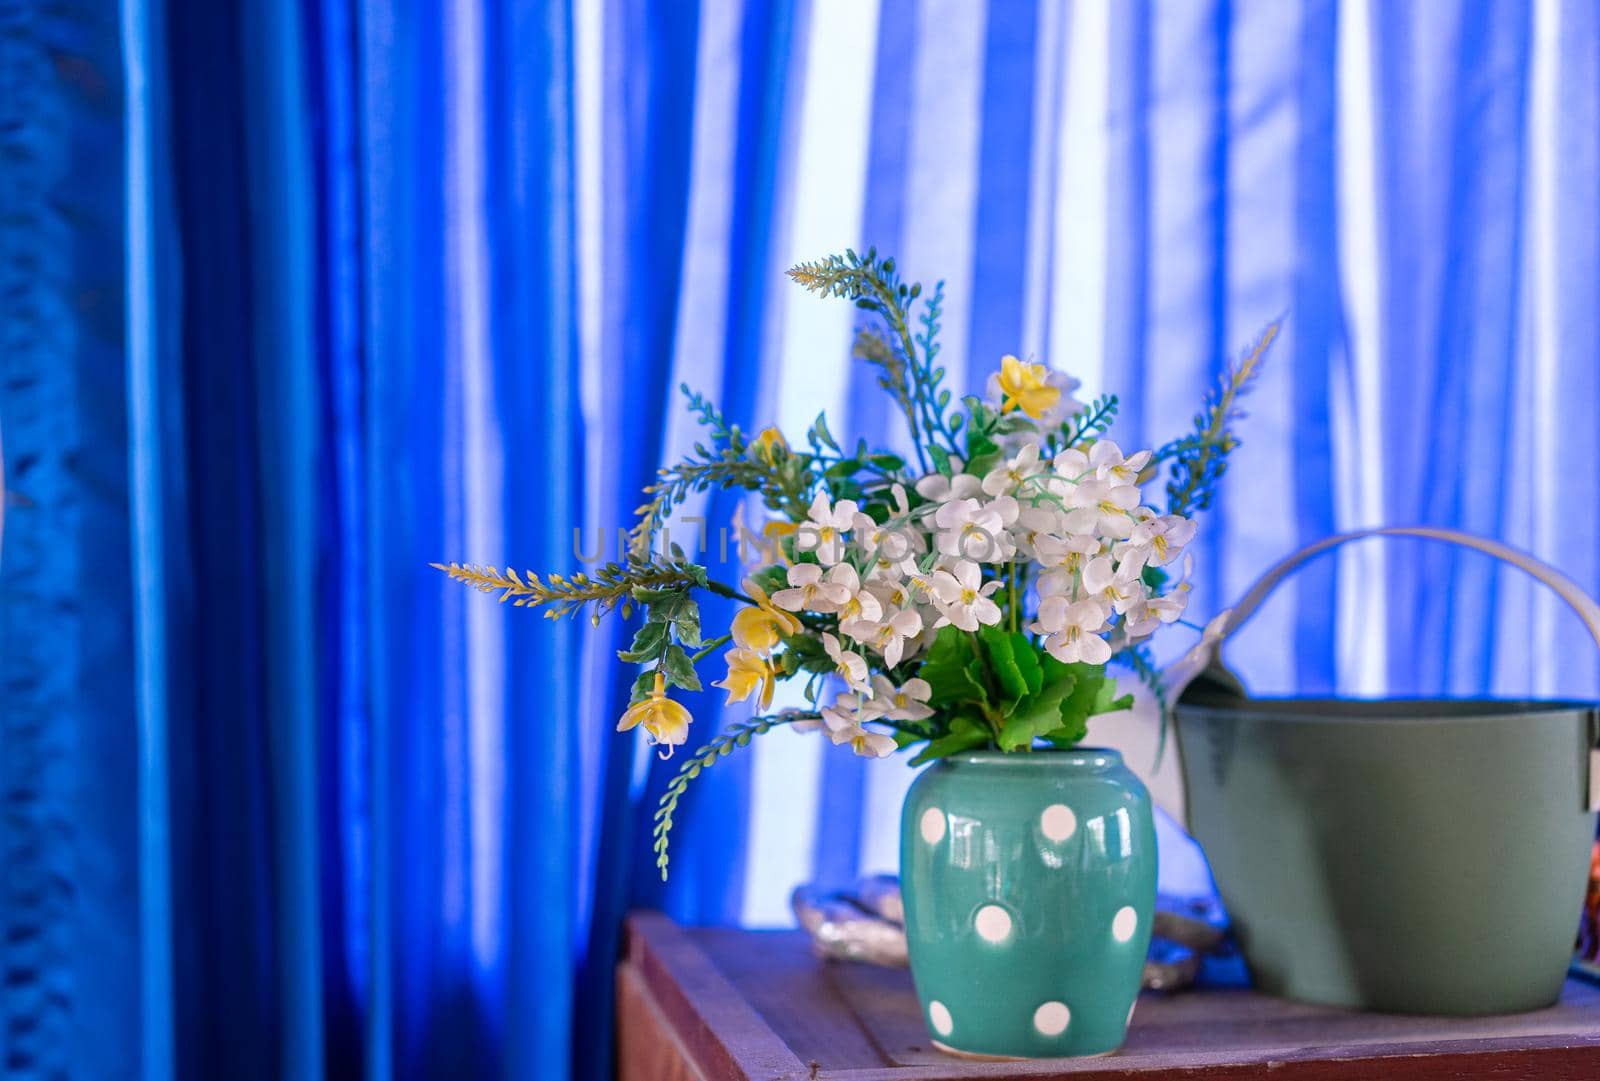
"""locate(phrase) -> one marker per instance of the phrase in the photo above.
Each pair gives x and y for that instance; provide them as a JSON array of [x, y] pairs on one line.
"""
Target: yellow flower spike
[[664, 720], [768, 444], [748, 673], [1026, 387], [761, 628]]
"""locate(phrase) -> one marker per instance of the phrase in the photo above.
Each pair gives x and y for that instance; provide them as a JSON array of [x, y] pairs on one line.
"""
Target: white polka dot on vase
[[942, 1024], [1051, 1019], [993, 923], [933, 825], [1058, 822], [1124, 924]]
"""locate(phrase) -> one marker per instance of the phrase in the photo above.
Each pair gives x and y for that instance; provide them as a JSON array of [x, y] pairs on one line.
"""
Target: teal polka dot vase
[[1029, 882]]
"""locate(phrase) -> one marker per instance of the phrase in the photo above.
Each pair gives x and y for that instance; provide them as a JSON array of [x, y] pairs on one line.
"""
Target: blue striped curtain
[[300, 297]]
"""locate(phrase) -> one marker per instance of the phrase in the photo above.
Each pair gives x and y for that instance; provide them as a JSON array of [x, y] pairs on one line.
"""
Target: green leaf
[[665, 605], [941, 460], [820, 433], [964, 735], [1106, 699], [686, 622], [1094, 693], [643, 684], [647, 643], [1037, 716], [679, 669], [889, 463], [980, 445], [953, 673], [1013, 664], [982, 453]]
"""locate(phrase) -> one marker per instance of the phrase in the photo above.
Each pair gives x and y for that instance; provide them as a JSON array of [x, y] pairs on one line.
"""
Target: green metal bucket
[[1410, 855]]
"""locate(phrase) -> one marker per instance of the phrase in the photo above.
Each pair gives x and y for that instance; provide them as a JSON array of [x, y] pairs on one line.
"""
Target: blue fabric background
[[298, 297]]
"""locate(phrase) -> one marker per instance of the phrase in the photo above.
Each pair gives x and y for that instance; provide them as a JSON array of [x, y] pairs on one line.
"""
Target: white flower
[[887, 635], [969, 529], [844, 721], [1079, 550], [1102, 507], [902, 505], [851, 666], [890, 545], [1170, 606], [809, 592], [1072, 464], [893, 592], [825, 528], [1058, 582], [1142, 617], [1109, 464], [864, 743], [1072, 630], [1139, 620], [1037, 535], [1115, 585], [938, 488], [1163, 538], [858, 604], [907, 702], [962, 597], [1008, 477]]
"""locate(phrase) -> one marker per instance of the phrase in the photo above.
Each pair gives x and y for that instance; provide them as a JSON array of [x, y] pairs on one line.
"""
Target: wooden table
[[709, 1004]]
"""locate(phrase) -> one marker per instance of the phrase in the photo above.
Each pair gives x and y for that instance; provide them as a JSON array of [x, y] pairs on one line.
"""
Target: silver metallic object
[[865, 924]]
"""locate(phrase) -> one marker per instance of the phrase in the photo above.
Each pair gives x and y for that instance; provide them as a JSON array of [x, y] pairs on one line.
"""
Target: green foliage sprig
[[739, 734], [1199, 460], [729, 462], [904, 358], [612, 586]]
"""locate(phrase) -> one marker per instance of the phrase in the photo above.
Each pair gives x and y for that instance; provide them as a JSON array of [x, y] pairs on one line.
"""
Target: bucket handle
[[1204, 655]]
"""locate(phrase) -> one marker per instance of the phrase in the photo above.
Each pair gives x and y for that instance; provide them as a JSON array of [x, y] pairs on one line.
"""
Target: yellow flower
[[664, 720], [748, 673], [768, 444], [774, 533], [761, 628], [1026, 387]]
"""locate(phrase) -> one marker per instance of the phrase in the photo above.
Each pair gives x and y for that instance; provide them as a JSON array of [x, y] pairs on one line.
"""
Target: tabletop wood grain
[[712, 1004]]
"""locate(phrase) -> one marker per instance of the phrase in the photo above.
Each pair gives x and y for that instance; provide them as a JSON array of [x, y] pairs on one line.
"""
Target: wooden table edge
[[671, 968], [725, 1036]]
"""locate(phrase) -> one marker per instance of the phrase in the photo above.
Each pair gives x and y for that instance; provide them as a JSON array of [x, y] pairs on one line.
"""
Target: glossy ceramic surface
[[1029, 883], [1411, 856]]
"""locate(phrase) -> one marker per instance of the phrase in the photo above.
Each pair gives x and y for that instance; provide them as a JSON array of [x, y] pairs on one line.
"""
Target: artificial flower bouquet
[[970, 596]]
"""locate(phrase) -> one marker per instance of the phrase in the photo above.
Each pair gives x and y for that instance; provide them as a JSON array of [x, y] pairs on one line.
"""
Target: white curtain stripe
[[829, 195], [1362, 625], [1080, 212], [476, 776], [1543, 324], [1050, 63]]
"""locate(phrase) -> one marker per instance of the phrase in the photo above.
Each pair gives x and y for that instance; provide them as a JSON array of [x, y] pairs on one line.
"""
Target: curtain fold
[[298, 298]]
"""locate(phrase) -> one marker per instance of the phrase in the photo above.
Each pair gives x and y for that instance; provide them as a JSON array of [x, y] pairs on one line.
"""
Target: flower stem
[[728, 591], [711, 646], [1011, 598]]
